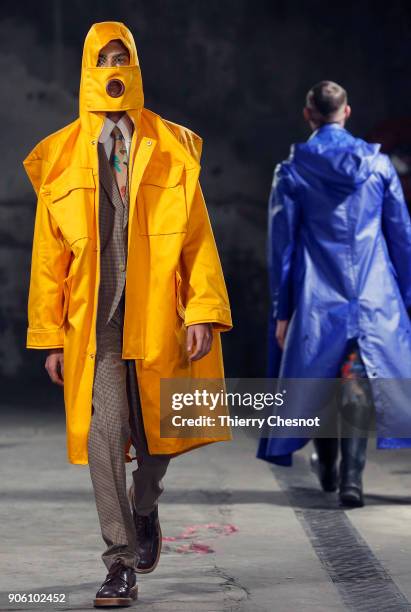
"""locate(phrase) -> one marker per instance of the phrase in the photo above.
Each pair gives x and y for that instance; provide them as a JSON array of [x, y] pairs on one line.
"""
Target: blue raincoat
[[339, 258]]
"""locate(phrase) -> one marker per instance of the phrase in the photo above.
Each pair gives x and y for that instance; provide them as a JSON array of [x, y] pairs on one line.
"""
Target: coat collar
[[326, 127]]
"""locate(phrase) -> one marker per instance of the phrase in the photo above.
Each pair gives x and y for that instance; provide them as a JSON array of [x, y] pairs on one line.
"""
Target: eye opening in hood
[[100, 34], [119, 50]]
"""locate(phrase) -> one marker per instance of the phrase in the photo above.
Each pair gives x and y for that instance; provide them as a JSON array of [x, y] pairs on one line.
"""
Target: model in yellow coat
[[174, 277]]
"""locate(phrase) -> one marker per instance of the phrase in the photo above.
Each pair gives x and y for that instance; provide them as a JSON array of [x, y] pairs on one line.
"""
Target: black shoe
[[119, 588], [324, 463], [351, 496], [353, 452], [149, 538]]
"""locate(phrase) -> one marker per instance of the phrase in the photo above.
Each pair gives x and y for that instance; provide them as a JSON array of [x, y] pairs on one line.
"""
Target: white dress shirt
[[125, 124]]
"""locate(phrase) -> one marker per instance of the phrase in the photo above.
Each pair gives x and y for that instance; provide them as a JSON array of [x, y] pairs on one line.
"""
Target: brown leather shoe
[[149, 538], [119, 588]]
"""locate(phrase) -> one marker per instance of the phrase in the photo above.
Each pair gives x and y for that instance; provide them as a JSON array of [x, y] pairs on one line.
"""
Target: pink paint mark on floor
[[198, 547], [193, 531]]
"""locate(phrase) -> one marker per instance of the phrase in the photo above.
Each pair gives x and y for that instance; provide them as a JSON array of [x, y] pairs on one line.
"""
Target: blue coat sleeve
[[396, 226], [283, 221]]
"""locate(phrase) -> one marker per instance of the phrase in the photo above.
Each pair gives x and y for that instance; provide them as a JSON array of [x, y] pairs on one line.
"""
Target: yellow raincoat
[[174, 276]]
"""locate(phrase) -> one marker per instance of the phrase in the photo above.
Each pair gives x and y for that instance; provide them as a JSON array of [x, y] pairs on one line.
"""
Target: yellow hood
[[94, 99]]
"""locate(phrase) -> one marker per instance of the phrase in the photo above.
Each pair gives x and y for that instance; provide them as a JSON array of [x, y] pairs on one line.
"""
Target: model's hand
[[201, 336], [55, 366], [281, 332]]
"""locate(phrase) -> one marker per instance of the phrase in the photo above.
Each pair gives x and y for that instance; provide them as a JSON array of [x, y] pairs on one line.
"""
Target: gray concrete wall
[[234, 71]]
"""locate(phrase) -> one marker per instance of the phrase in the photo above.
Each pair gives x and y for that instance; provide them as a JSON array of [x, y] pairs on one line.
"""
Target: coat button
[[149, 143], [122, 268], [92, 355]]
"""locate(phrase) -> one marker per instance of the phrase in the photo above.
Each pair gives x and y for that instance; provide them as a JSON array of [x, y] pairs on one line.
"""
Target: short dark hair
[[326, 98]]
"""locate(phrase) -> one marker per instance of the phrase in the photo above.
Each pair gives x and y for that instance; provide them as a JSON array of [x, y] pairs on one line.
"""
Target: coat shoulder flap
[[172, 137], [189, 139], [45, 154]]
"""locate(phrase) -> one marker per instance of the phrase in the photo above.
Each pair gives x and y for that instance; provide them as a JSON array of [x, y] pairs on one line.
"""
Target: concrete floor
[[240, 535]]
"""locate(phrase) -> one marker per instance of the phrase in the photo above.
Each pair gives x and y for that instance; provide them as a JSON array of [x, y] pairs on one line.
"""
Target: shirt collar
[[125, 124]]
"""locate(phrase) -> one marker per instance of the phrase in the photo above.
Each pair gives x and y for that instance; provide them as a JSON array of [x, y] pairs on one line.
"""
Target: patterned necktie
[[119, 162]]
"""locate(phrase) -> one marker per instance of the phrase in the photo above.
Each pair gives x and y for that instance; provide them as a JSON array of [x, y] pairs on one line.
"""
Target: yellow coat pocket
[[161, 202], [66, 291], [70, 200], [179, 300]]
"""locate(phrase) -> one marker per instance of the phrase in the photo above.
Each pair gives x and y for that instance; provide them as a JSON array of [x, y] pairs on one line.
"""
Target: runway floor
[[239, 534]]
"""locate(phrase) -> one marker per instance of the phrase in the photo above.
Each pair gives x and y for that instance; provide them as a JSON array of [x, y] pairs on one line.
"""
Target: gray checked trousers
[[116, 415]]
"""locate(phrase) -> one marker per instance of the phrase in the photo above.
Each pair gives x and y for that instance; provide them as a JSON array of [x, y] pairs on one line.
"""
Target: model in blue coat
[[339, 258]]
